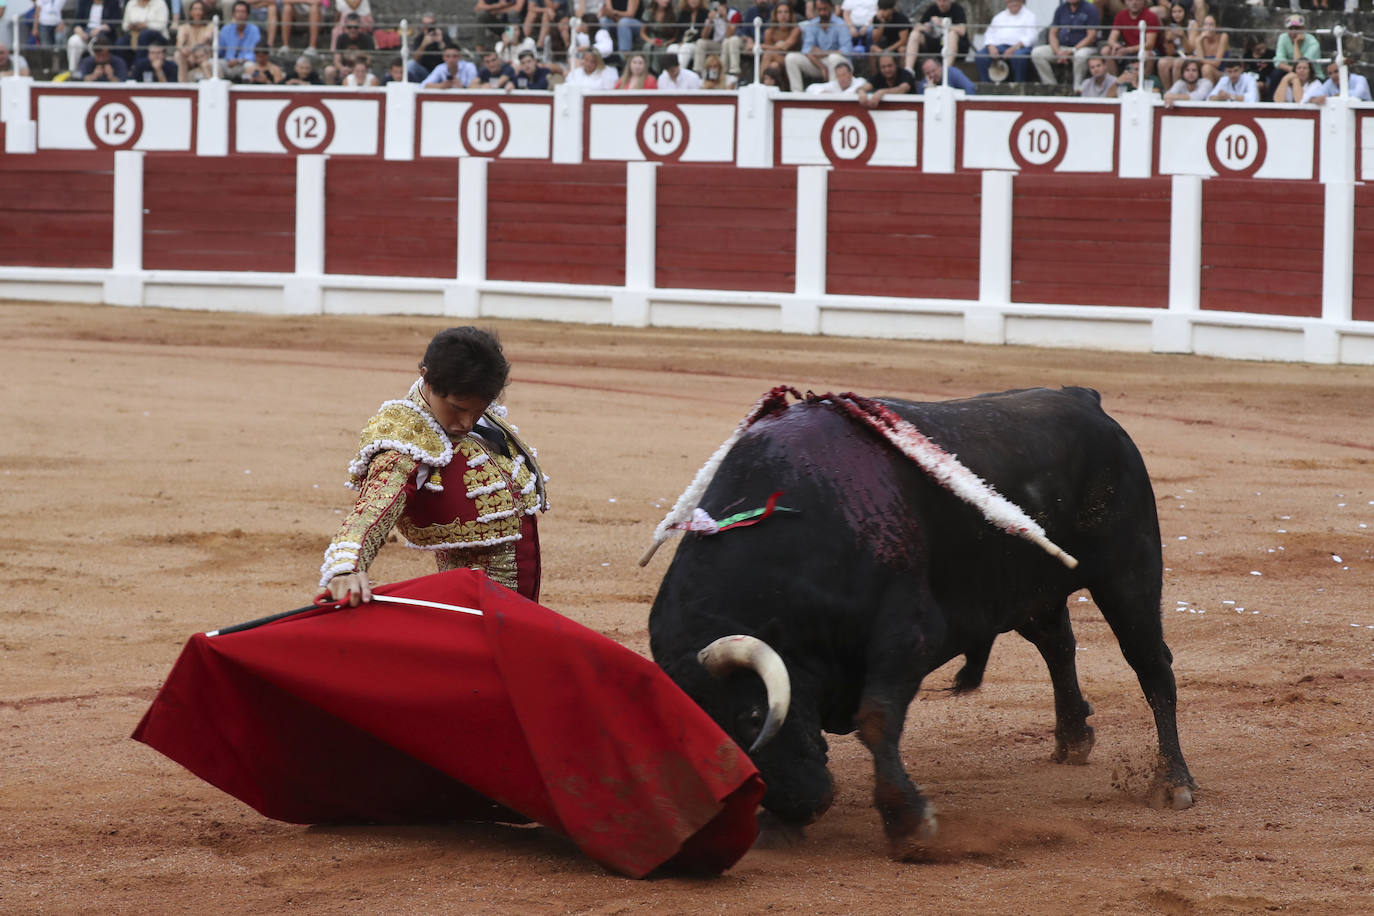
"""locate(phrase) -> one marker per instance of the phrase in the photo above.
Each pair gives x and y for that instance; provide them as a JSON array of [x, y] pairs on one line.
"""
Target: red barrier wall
[[1090, 241], [391, 219], [1262, 247], [556, 223], [212, 213], [892, 232], [1362, 291], [60, 209], [721, 227]]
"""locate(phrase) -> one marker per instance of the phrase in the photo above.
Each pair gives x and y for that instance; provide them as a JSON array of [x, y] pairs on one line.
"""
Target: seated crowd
[[860, 48]]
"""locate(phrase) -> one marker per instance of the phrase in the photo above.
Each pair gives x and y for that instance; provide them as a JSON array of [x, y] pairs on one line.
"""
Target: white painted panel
[[1183, 145], [1091, 141], [712, 136], [897, 139], [987, 139], [356, 123], [62, 121], [571, 309], [1292, 148], [892, 324], [344, 301], [801, 136], [531, 131], [166, 123], [440, 127], [613, 132], [1366, 150], [255, 129]]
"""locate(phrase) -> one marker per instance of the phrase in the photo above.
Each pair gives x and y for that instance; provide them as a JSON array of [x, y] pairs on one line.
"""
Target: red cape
[[398, 714]]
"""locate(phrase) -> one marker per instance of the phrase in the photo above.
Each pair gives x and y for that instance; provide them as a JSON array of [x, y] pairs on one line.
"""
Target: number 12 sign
[[114, 125], [305, 127]]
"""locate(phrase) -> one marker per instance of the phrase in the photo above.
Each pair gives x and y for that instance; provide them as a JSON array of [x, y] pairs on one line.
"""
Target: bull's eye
[[750, 724]]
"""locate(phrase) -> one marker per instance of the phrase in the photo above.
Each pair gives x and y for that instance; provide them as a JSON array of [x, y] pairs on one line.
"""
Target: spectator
[[236, 43], [677, 78], [1124, 39], [761, 9], [889, 32], [842, 82], [494, 15], [530, 75], [145, 22], [1294, 43], [494, 73], [857, 16], [782, 36], [660, 25], [1236, 85], [303, 73], [1173, 44], [592, 72], [428, 50], [198, 65], [1300, 84], [196, 30], [933, 75], [265, 72], [773, 76], [825, 42], [102, 66], [691, 21], [620, 15], [12, 64], [346, 11], [1099, 83], [361, 76], [1259, 60], [312, 10], [713, 76], [1129, 81], [347, 47], [395, 72], [1191, 85], [637, 75], [718, 37], [92, 22], [47, 22], [1359, 86], [888, 79], [155, 67], [1009, 37], [263, 11], [453, 72], [550, 16], [511, 44], [929, 35], [1072, 38], [1210, 46]]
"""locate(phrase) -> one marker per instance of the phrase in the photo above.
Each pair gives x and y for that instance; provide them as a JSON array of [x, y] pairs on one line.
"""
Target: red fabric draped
[[399, 714]]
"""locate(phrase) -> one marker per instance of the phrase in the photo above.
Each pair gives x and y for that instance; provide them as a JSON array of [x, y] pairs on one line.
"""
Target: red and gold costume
[[472, 502]]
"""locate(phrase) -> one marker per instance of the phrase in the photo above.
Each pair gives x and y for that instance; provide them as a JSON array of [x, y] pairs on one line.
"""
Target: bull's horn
[[730, 652]]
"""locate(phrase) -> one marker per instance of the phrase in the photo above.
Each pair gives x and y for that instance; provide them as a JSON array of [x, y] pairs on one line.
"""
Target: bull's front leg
[[908, 818]]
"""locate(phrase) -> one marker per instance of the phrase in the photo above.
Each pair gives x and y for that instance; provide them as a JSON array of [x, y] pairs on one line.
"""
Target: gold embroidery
[[497, 562], [507, 501], [379, 505], [399, 427]]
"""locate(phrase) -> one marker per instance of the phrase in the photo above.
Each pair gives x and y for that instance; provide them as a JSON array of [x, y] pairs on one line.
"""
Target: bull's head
[[731, 652]]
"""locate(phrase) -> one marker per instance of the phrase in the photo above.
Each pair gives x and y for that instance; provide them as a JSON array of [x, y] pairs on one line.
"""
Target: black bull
[[883, 576]]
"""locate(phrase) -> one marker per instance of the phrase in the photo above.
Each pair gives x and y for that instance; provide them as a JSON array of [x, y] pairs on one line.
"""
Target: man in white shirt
[[1009, 38], [675, 77], [1359, 86], [12, 64], [1236, 85], [842, 82]]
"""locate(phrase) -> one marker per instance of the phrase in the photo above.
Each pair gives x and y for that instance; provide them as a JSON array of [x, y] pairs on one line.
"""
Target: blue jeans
[[1017, 61], [626, 32]]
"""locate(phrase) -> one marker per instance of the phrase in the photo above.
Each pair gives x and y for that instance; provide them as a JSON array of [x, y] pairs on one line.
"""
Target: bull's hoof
[[775, 833], [916, 845], [1074, 752], [1166, 796]]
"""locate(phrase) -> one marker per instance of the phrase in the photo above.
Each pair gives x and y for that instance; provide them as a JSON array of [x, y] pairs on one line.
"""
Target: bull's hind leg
[[1051, 633], [1131, 606]]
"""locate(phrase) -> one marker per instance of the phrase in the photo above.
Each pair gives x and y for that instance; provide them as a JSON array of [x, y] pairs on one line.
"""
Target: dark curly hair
[[466, 361]]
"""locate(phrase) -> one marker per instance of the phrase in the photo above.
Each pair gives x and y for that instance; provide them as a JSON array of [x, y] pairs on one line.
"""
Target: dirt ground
[[168, 472]]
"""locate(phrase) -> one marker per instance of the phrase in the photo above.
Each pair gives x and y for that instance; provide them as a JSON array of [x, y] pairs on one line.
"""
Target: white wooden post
[[939, 126], [124, 285], [302, 293], [402, 102], [630, 306], [464, 298], [567, 123], [1171, 331], [801, 315]]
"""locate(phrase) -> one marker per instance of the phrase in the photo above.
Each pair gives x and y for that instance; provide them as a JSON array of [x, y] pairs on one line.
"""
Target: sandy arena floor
[[168, 472]]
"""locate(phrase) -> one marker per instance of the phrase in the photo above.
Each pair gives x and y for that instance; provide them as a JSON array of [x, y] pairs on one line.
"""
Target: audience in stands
[[312, 12], [718, 37], [1300, 83], [303, 73], [1295, 42], [427, 49], [1130, 80], [932, 74], [929, 35], [660, 25], [199, 65], [592, 73], [1173, 44], [494, 73], [12, 64], [154, 67], [1100, 81], [842, 81], [1191, 85], [1070, 39], [825, 42], [265, 70], [92, 22], [453, 72], [889, 31], [349, 12], [1235, 84], [145, 22], [637, 74], [1259, 60], [621, 15], [1124, 39], [782, 36], [237, 40], [1009, 38], [47, 22], [196, 30], [265, 12], [676, 78], [530, 74], [888, 79], [1210, 45], [361, 76], [551, 18], [102, 66], [713, 75], [691, 20], [1358, 85], [347, 46], [494, 16]]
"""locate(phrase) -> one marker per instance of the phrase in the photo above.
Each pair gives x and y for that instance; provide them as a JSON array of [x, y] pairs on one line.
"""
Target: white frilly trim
[[494, 516], [338, 559], [479, 460], [466, 545], [358, 466]]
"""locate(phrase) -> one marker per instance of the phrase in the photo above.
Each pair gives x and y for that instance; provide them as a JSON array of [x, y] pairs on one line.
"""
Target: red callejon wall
[[894, 232], [60, 209], [219, 213], [1362, 293], [721, 227], [556, 223], [1244, 268], [391, 219], [1090, 240]]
